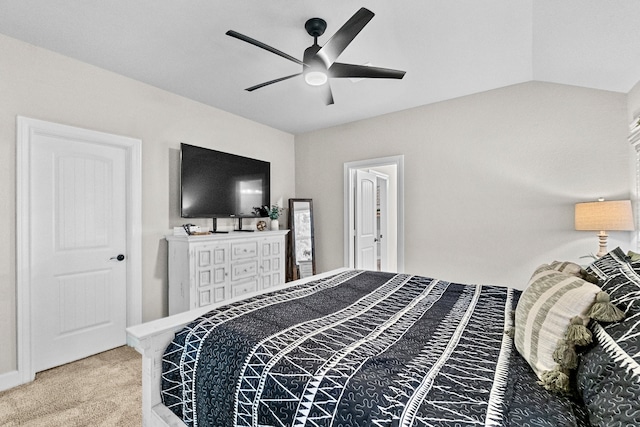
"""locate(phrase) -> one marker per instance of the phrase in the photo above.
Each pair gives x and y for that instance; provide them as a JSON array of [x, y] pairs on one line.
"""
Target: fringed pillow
[[551, 319], [572, 269]]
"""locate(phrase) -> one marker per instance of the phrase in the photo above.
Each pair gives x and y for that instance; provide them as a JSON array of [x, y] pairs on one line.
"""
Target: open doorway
[[373, 216]]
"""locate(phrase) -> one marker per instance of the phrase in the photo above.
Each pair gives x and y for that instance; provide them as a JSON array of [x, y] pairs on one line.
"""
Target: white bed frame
[[152, 338]]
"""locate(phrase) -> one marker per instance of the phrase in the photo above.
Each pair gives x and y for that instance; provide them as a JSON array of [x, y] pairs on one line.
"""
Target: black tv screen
[[218, 185]]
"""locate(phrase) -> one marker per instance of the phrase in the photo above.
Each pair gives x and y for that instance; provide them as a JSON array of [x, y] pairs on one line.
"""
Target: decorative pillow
[[551, 319], [610, 265], [564, 267], [608, 376], [633, 256], [572, 269]]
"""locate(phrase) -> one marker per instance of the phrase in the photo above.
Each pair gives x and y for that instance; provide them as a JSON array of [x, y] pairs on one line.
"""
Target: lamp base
[[602, 240]]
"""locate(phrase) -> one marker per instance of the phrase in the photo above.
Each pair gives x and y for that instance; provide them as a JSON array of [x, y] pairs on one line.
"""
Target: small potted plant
[[274, 214]]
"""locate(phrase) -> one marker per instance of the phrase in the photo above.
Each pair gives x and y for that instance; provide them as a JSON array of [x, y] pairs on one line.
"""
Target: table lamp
[[603, 216]]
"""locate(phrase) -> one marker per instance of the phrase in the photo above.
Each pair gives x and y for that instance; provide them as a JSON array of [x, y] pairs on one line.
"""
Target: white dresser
[[208, 269]]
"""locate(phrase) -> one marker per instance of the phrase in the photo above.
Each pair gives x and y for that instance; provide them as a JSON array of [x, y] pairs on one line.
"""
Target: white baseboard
[[11, 379]]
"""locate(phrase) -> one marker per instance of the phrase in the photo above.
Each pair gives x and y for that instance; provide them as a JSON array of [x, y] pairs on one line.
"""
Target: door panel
[[82, 201], [365, 224], [83, 300], [78, 219]]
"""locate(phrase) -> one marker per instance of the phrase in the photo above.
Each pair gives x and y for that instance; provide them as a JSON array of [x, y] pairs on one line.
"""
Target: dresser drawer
[[243, 270], [244, 288], [243, 250]]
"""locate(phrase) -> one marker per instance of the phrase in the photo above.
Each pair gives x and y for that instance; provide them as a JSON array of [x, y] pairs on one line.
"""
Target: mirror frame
[[293, 272]]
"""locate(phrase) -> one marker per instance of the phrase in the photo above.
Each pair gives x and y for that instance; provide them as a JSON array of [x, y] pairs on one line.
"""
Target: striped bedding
[[360, 349]]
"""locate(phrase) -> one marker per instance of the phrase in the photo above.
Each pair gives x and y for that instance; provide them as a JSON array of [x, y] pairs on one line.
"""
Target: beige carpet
[[101, 390]]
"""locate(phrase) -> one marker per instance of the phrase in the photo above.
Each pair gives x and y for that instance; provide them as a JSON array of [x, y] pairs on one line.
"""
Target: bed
[[361, 348]]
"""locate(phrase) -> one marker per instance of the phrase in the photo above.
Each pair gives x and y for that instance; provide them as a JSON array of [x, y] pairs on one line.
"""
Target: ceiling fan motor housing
[[315, 27]]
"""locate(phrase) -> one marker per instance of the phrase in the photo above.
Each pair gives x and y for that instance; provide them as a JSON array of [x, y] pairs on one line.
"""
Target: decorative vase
[[275, 225]]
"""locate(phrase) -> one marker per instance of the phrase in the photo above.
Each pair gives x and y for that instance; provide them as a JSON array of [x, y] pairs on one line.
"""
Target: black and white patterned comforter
[[360, 349]]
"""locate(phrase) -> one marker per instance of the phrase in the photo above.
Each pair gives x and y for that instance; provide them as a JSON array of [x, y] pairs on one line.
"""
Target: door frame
[[25, 129], [349, 182]]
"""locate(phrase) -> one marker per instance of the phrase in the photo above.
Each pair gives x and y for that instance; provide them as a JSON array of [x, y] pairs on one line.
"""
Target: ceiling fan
[[319, 62]]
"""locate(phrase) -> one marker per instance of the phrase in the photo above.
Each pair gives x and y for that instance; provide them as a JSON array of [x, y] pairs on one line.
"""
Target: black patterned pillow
[[634, 262], [610, 265], [608, 375]]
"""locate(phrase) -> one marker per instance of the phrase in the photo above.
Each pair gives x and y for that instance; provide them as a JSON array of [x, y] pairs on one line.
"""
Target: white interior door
[[366, 228], [78, 240], [382, 218]]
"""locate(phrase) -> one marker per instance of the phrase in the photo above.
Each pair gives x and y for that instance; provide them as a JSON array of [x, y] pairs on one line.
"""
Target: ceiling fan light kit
[[315, 78], [314, 70], [319, 62]]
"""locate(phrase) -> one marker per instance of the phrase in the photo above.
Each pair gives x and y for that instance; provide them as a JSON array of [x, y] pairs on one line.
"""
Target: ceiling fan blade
[[252, 88], [328, 96], [345, 35], [339, 69], [262, 46]]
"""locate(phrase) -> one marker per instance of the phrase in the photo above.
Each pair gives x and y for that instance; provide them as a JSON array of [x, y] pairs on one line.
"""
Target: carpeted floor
[[101, 390]]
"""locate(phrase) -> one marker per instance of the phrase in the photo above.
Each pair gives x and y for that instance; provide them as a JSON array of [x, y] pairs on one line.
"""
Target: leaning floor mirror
[[302, 261]]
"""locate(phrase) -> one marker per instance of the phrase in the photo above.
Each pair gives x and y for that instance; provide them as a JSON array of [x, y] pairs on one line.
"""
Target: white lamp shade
[[615, 215]]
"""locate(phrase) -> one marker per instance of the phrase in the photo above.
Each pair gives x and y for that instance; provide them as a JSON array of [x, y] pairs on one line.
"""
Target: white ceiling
[[449, 48]]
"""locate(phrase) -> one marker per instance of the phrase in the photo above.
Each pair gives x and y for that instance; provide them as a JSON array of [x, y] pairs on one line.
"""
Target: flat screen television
[[221, 185]]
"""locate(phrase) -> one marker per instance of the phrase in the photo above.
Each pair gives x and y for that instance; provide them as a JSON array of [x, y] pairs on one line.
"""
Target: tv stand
[[240, 226], [214, 230], [210, 269]]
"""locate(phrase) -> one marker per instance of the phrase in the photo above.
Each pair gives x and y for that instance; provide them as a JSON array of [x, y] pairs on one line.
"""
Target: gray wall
[[490, 179], [633, 114], [633, 103], [38, 83]]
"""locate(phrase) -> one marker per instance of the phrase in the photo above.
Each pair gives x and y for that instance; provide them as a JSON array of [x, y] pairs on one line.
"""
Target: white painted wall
[[633, 114], [38, 83], [633, 103], [490, 179]]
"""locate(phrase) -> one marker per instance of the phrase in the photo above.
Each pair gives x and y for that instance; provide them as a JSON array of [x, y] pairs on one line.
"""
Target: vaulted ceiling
[[449, 48]]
